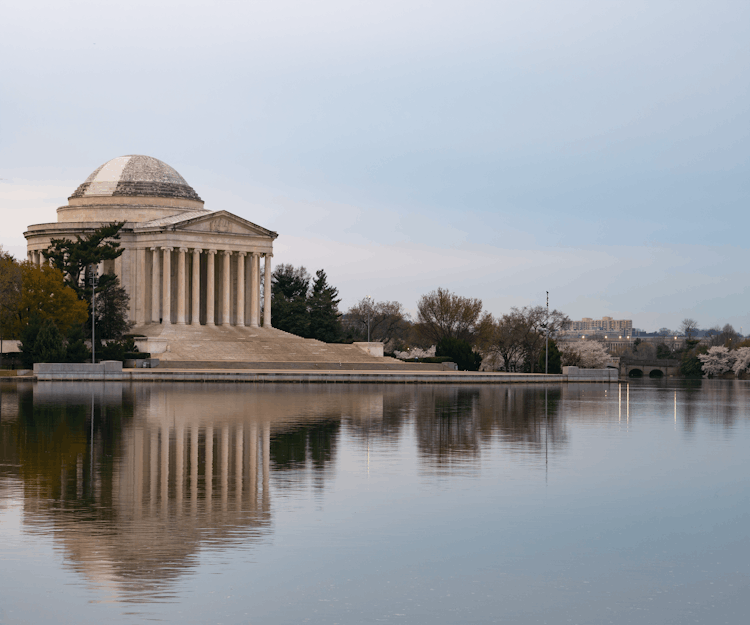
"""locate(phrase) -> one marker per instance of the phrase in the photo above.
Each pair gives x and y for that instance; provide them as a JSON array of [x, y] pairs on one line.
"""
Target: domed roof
[[136, 175]]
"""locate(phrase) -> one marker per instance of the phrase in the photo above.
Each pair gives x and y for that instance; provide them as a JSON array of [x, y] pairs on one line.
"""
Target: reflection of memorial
[[171, 469]]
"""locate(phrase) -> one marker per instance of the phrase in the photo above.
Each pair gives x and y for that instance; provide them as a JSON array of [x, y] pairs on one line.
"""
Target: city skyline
[[500, 151]]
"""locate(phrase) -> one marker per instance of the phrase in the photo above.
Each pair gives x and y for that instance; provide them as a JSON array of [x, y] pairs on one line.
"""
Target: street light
[[369, 304], [93, 281]]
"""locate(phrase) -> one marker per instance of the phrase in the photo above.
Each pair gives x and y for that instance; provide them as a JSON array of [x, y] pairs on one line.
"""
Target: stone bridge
[[657, 368]]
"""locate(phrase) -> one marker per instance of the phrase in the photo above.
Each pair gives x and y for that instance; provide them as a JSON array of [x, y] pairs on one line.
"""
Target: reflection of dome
[[136, 175]]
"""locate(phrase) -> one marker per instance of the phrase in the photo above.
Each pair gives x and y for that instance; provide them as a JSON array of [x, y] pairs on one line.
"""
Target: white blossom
[[718, 360], [584, 354], [742, 360], [415, 352]]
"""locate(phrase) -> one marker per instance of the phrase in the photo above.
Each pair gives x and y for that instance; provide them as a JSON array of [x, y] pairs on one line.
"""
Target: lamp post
[[546, 347], [369, 305], [93, 281]]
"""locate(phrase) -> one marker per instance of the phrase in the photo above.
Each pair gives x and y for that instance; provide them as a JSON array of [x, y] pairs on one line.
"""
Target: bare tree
[[689, 327], [522, 333], [388, 320], [442, 314]]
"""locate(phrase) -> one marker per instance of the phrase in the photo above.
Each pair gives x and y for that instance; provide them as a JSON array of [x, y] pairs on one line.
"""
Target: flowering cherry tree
[[584, 354], [718, 360], [742, 360]]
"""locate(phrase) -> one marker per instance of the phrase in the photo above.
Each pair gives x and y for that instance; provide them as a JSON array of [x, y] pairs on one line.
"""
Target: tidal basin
[[279, 503]]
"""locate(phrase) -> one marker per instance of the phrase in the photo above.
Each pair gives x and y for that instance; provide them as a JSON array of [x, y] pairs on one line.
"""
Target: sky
[[598, 150]]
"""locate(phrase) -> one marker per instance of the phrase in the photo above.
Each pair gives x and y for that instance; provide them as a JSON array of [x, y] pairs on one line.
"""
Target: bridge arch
[[656, 373], [635, 373]]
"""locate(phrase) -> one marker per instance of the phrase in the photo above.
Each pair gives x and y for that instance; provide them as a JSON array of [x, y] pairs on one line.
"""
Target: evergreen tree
[[460, 352], [554, 362], [76, 350], [49, 345], [289, 287], [29, 333], [112, 310], [325, 319]]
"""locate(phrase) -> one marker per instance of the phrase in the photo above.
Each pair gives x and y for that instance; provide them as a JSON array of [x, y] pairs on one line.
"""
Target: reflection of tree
[[291, 449], [456, 422]]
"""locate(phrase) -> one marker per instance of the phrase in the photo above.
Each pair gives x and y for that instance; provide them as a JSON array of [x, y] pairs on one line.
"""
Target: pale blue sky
[[598, 150]]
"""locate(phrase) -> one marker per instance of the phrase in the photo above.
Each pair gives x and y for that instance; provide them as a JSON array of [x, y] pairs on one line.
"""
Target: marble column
[[210, 288], [167, 284], [267, 291], [155, 285], [195, 312], [139, 293], [254, 288], [240, 295], [181, 286], [226, 301]]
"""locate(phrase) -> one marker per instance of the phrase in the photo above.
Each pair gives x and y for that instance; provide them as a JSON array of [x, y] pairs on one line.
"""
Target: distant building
[[587, 325]]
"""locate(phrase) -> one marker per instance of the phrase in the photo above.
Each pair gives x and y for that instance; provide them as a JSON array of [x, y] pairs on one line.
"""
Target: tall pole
[[369, 300], [546, 350], [93, 320]]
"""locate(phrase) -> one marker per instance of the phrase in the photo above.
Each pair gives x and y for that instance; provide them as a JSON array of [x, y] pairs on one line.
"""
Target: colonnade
[[192, 286]]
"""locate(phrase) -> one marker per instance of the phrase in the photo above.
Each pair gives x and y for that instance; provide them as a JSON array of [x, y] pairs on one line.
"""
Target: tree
[[28, 335], [10, 293], [503, 342], [460, 352], [717, 361], [325, 319], [76, 350], [74, 258], [554, 361], [689, 327], [49, 345], [111, 310], [44, 292], [442, 314], [389, 323], [584, 354], [742, 361], [289, 287]]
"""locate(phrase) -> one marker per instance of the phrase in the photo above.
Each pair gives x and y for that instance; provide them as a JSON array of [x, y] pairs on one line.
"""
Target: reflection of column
[[210, 287], [224, 467], [254, 288], [154, 468], [253, 473], [209, 467], [166, 304], [194, 470], [179, 450], [195, 312], [226, 302], [155, 285], [266, 464], [238, 458], [138, 462], [181, 285], [164, 469], [240, 295], [267, 291]]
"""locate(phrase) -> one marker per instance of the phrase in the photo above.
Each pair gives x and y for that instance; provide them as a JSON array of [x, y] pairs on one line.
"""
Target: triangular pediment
[[223, 222]]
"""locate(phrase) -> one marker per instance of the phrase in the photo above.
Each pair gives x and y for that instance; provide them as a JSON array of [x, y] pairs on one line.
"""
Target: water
[[619, 503]]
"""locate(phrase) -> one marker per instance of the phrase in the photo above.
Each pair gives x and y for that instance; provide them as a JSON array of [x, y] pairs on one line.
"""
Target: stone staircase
[[221, 344]]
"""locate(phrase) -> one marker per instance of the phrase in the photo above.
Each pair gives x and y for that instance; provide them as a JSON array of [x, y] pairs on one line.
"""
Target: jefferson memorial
[[193, 275], [181, 264]]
